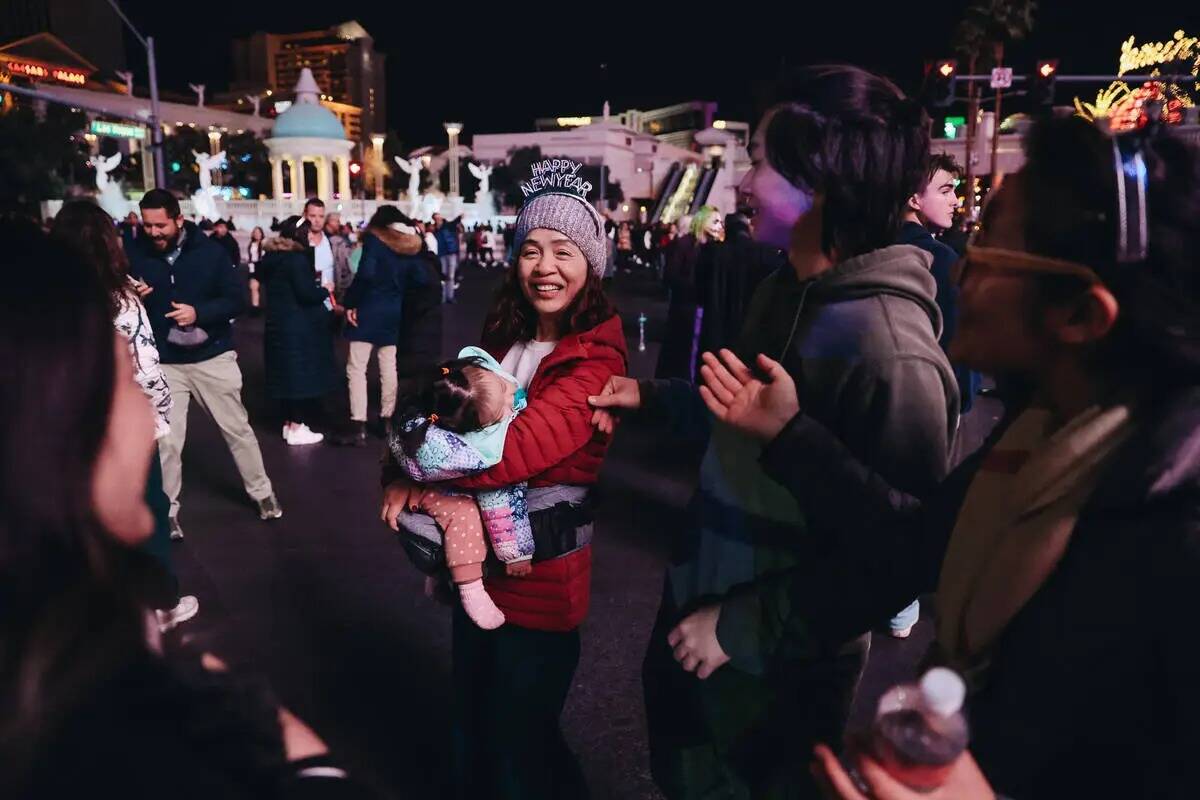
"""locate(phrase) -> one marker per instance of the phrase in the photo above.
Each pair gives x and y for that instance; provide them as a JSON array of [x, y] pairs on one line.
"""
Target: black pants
[[509, 688], [308, 410]]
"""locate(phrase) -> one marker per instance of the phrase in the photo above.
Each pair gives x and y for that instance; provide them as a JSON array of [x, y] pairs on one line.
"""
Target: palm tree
[[968, 43], [1001, 21]]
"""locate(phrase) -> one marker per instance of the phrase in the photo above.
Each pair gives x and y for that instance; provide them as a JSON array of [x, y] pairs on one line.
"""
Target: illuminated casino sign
[[41, 72]]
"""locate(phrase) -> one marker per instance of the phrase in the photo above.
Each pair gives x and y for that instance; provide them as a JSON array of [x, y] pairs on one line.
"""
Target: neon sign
[[1152, 54], [38, 71]]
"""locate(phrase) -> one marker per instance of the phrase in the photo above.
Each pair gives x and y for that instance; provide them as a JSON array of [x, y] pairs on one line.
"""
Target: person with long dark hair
[[254, 254], [854, 320], [86, 229], [298, 334], [1064, 552], [552, 328], [94, 704]]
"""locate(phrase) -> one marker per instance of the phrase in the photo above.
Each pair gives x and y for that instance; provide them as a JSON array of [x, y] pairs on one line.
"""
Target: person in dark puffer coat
[[298, 336]]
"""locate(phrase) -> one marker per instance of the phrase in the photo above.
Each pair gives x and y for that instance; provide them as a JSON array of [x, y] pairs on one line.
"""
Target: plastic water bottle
[[920, 730], [642, 333]]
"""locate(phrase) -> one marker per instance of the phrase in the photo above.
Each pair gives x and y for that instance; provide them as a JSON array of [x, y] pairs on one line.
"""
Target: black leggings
[[509, 688]]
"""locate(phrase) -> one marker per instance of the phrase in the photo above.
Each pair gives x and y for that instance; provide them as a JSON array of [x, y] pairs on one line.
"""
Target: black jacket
[[231, 247], [298, 333], [1091, 689], [726, 276], [419, 345], [201, 277], [679, 342]]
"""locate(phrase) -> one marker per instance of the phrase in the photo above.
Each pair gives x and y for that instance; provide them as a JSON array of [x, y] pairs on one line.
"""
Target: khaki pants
[[356, 374], [216, 385]]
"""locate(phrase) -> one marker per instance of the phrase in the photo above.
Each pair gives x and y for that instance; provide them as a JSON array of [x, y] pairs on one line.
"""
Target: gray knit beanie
[[556, 198]]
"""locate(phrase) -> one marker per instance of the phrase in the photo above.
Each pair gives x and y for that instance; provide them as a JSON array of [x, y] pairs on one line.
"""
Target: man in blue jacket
[[193, 293]]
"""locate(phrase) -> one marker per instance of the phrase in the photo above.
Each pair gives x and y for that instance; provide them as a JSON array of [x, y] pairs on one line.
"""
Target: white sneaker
[[302, 434], [185, 609]]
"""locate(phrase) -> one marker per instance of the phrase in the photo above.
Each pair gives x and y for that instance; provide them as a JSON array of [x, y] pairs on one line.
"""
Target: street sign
[[1002, 77], [116, 129]]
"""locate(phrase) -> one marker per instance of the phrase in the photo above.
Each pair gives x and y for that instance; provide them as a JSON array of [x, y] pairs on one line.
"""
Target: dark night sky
[[533, 62]]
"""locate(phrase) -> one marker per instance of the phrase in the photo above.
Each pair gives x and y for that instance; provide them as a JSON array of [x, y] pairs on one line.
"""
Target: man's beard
[[165, 243]]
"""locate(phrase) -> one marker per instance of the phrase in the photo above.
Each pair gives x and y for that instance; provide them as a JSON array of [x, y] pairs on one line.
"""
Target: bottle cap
[[943, 691]]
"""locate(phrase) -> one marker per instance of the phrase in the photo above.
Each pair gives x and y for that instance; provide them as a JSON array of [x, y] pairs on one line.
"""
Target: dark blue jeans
[[509, 688]]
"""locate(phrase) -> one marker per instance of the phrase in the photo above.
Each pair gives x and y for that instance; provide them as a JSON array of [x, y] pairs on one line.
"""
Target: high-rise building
[[342, 59], [89, 27]]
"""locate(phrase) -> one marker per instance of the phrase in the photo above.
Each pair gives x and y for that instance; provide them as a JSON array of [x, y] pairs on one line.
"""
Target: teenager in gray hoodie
[[853, 319]]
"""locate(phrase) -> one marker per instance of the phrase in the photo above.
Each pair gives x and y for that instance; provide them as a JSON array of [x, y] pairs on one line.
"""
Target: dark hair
[[68, 618], [87, 230], [388, 215], [941, 161], [513, 318], [295, 228], [855, 139], [453, 392], [314, 201], [160, 198], [257, 229], [1069, 196]]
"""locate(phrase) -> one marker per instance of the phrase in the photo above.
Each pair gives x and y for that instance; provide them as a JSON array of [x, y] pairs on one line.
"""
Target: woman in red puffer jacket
[[553, 329]]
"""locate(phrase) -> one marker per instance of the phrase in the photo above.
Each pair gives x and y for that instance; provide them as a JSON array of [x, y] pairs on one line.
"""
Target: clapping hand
[[760, 407]]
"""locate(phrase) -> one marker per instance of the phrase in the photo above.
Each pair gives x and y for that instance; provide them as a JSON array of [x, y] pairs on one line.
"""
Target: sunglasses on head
[[1130, 170]]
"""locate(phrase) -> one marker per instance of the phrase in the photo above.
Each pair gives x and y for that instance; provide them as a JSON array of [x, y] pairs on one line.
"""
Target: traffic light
[[940, 77], [1041, 85]]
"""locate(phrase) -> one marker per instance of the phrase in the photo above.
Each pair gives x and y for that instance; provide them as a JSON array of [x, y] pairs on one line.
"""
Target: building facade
[[343, 60], [91, 28]]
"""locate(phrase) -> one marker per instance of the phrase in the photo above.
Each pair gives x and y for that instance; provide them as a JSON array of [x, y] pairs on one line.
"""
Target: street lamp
[[156, 142], [377, 140], [453, 129]]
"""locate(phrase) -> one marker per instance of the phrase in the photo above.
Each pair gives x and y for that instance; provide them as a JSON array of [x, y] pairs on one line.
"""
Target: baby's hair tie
[[445, 370], [433, 418]]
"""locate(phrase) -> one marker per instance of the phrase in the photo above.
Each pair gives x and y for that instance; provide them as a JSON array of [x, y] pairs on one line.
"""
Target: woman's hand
[[760, 408], [618, 394], [519, 569], [695, 642], [965, 781], [397, 498], [352, 316]]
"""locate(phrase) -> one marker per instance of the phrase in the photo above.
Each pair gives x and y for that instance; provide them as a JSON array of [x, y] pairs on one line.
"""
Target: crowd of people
[[811, 361]]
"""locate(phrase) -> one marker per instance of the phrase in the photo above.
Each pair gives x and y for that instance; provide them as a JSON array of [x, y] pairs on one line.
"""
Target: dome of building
[[307, 117]]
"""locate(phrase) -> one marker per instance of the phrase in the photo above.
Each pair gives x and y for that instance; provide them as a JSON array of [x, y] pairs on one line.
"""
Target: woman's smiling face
[[552, 271]]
